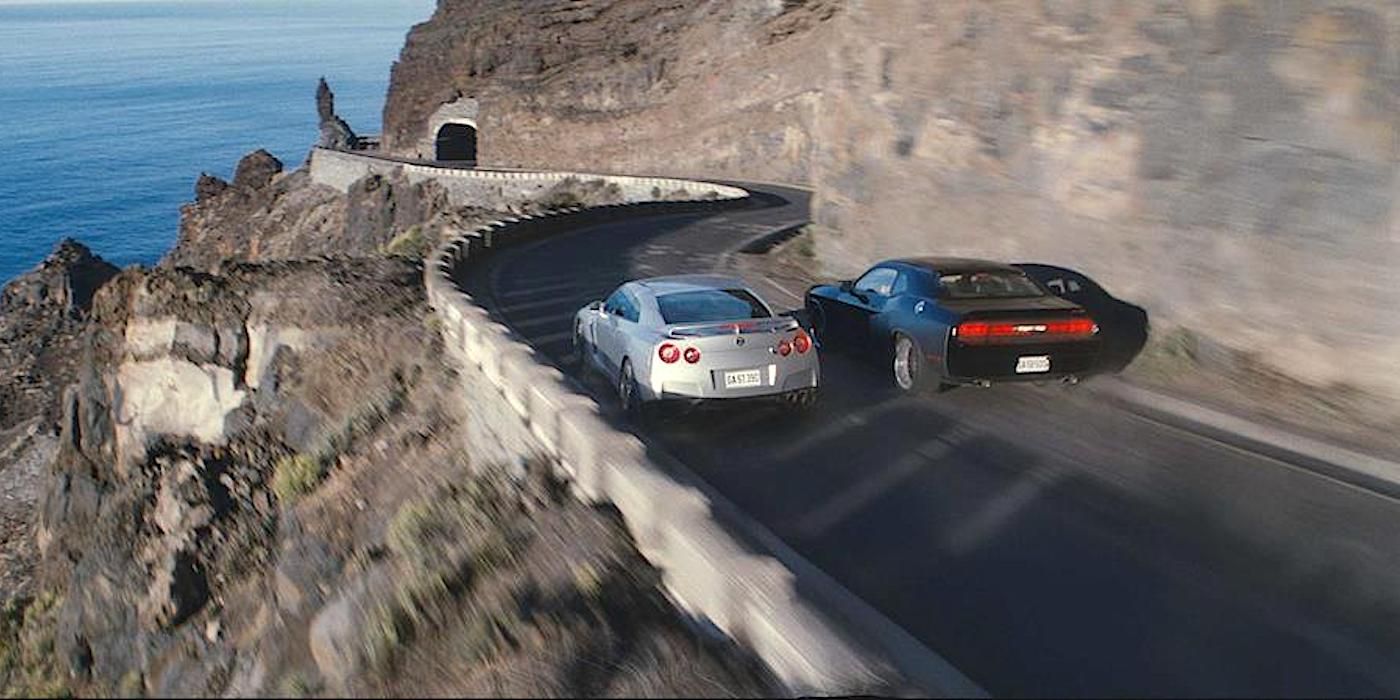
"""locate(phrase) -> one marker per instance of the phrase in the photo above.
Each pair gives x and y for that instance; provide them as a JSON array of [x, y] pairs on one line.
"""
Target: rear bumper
[[780, 377], [726, 403], [969, 364]]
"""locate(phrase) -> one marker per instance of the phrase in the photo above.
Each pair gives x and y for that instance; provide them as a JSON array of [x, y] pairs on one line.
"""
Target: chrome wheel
[[907, 363]]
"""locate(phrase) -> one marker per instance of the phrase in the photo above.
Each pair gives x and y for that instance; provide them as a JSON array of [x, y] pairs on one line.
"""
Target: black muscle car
[[1123, 327], [952, 321]]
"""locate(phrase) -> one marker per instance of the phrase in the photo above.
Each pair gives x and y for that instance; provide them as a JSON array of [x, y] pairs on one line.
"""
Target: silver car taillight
[[668, 353]]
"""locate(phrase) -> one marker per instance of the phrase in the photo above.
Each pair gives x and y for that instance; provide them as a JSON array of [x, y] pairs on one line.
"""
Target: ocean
[[110, 110]]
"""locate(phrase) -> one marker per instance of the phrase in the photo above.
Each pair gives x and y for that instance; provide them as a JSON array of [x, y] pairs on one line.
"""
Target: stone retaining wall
[[485, 188]]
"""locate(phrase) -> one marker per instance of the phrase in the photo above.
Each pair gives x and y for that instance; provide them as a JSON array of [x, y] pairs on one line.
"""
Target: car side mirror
[[847, 286], [595, 306]]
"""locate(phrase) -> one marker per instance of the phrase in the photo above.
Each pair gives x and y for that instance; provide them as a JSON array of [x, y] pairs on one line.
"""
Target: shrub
[[806, 247], [562, 195], [27, 665], [296, 475], [572, 192], [444, 542], [412, 244]]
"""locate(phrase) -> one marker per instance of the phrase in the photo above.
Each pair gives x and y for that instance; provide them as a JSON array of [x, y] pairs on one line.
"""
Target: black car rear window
[[705, 305], [989, 284]]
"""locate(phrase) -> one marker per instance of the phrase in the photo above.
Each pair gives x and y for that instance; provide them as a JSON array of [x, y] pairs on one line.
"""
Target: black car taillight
[[983, 332]]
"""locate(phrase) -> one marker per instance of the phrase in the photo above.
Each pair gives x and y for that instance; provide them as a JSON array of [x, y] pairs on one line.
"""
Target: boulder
[[336, 632], [256, 170]]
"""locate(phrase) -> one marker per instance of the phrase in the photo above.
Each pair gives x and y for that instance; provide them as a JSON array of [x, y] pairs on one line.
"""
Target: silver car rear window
[[705, 305]]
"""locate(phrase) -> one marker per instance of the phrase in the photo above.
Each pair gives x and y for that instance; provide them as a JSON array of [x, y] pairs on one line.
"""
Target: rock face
[[155, 509], [41, 319], [635, 85], [1232, 167], [335, 132]]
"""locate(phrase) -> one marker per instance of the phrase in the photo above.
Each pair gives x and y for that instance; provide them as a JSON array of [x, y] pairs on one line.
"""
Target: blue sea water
[[109, 111]]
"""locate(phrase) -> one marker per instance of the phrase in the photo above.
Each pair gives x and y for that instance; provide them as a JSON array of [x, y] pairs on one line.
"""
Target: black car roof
[[944, 265]]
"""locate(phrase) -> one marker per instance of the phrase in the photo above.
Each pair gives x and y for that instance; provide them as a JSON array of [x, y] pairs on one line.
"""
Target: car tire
[[581, 351], [908, 370], [628, 393]]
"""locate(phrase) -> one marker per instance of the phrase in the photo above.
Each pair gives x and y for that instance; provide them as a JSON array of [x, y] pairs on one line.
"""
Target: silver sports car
[[694, 338]]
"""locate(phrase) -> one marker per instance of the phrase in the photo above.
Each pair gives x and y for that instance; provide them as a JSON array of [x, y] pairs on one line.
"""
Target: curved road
[[1045, 542]]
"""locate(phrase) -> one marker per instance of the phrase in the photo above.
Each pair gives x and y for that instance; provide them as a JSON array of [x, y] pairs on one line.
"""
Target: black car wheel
[[627, 393], [580, 350], [907, 364]]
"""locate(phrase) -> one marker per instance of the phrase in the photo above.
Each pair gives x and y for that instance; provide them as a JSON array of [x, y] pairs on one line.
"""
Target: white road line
[[868, 490], [527, 305], [1000, 510], [541, 289], [782, 289], [847, 423], [541, 340], [565, 318]]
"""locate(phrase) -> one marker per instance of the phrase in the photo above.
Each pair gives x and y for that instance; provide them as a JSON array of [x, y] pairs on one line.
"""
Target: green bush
[[296, 475], [412, 244]]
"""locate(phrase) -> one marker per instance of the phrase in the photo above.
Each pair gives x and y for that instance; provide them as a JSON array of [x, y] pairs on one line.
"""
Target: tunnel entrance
[[456, 142]]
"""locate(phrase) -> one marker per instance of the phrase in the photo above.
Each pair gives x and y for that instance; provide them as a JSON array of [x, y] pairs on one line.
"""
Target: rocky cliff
[[42, 314], [259, 489], [241, 472], [1231, 166]]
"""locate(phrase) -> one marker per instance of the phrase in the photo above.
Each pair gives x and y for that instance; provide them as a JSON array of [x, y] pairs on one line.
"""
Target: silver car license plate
[[743, 379], [1028, 364]]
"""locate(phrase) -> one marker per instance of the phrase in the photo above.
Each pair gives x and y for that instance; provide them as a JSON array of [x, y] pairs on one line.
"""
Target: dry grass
[[412, 244], [295, 476], [27, 664]]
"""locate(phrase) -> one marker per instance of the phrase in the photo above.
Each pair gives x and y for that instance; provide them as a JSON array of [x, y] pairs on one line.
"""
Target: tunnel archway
[[456, 142]]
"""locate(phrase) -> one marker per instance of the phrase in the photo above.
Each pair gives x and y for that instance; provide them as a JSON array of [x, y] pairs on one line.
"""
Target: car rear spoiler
[[744, 327]]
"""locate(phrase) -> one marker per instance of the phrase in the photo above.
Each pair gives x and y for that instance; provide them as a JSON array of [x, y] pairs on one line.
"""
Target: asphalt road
[[1043, 541]]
